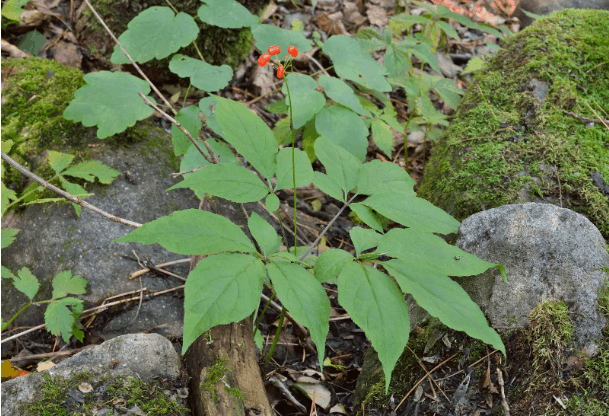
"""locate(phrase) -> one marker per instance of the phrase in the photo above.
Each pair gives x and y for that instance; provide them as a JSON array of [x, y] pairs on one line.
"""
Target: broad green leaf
[[193, 158], [304, 172], [285, 256], [25, 281], [429, 113], [306, 100], [431, 252], [59, 161], [283, 132], [7, 196], [272, 203], [367, 216], [156, 32], [394, 179], [330, 263], [353, 63], [341, 166], [267, 35], [342, 93], [226, 13], [192, 232], [91, 169], [110, 102], [344, 128], [421, 50], [7, 145], [444, 299], [32, 42], [8, 236], [328, 186], [382, 135], [232, 182], [189, 119], [309, 135], [411, 211], [65, 284], [264, 234], [363, 239], [396, 61], [71, 188], [202, 75], [246, 132], [448, 91], [279, 107], [377, 306], [447, 28], [222, 289], [304, 298], [402, 22], [392, 121], [60, 319], [12, 9]]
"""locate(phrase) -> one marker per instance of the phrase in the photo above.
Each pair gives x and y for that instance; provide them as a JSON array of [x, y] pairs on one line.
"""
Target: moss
[[214, 374], [505, 147]]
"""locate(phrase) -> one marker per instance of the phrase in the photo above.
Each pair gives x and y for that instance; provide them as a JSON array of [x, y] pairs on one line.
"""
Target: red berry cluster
[[274, 50]]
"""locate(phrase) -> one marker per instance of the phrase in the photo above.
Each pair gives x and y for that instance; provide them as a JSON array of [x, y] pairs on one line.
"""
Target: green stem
[[293, 166], [186, 95], [279, 326], [10, 321], [33, 190]]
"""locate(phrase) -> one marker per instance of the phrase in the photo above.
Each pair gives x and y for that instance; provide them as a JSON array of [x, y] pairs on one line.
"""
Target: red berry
[[274, 50], [264, 59], [293, 51], [280, 71]]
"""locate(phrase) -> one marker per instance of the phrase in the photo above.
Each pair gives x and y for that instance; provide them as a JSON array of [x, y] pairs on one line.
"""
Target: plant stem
[[33, 190], [263, 311], [293, 166], [10, 321], [270, 354]]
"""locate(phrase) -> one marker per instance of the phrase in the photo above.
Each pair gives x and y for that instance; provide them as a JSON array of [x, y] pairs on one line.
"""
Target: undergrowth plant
[[226, 285]]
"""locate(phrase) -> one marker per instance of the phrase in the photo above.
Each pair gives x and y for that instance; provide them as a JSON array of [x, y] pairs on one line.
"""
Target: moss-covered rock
[[514, 137]]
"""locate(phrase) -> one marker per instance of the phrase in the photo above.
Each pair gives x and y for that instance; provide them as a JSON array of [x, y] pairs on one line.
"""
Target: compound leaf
[[341, 166], [7, 195], [328, 186], [264, 234], [304, 172], [342, 93], [221, 289], [367, 216], [382, 135], [364, 238], [344, 128], [377, 306], [62, 321], [232, 182], [25, 281], [110, 102], [8, 236], [272, 203], [202, 75], [192, 232], [305, 99], [91, 169], [304, 298], [395, 179], [226, 14], [59, 161], [330, 263], [156, 32], [64, 284]]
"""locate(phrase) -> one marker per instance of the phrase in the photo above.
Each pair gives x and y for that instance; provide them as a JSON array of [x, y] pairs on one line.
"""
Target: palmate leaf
[[25, 281], [60, 320], [59, 161], [226, 14], [306, 100], [156, 32], [264, 234], [65, 284], [110, 102], [202, 75], [304, 298], [304, 171], [344, 128], [222, 289], [92, 169], [377, 306], [8, 236], [7, 195], [342, 93], [192, 232]]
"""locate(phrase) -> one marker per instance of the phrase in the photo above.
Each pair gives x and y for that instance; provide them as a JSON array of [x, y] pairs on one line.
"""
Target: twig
[[167, 103], [504, 403], [175, 175], [586, 119], [51, 354], [428, 374], [66, 195], [596, 114]]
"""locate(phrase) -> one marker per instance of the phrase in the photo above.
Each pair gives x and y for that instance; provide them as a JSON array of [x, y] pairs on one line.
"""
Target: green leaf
[[283, 132], [7, 196], [330, 263], [60, 320], [267, 35], [444, 299], [395, 179], [192, 232], [390, 119], [411, 211], [246, 132], [306, 100], [304, 298], [71, 188], [64, 284], [32, 42], [222, 289], [447, 28], [304, 172], [328, 186], [109, 101], [232, 182], [448, 91], [202, 75], [431, 252], [429, 113], [367, 216], [189, 119], [193, 158], [340, 165], [353, 63], [8, 236], [474, 64], [382, 135], [7, 145], [421, 50], [264, 234], [402, 22], [279, 107], [309, 135], [12, 9], [91, 169], [272, 203], [342, 93], [396, 61], [344, 128], [59, 161], [25, 281], [226, 13], [377, 306], [156, 32], [363, 239]]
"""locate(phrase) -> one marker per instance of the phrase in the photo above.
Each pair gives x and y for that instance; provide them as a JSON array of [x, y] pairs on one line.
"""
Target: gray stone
[[549, 253], [145, 357], [545, 7]]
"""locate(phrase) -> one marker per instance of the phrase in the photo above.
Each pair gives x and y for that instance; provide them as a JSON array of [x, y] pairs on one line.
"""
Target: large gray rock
[[549, 253], [545, 7], [113, 365]]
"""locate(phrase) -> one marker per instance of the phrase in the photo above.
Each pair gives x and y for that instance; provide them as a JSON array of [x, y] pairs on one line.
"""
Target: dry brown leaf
[[377, 16]]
